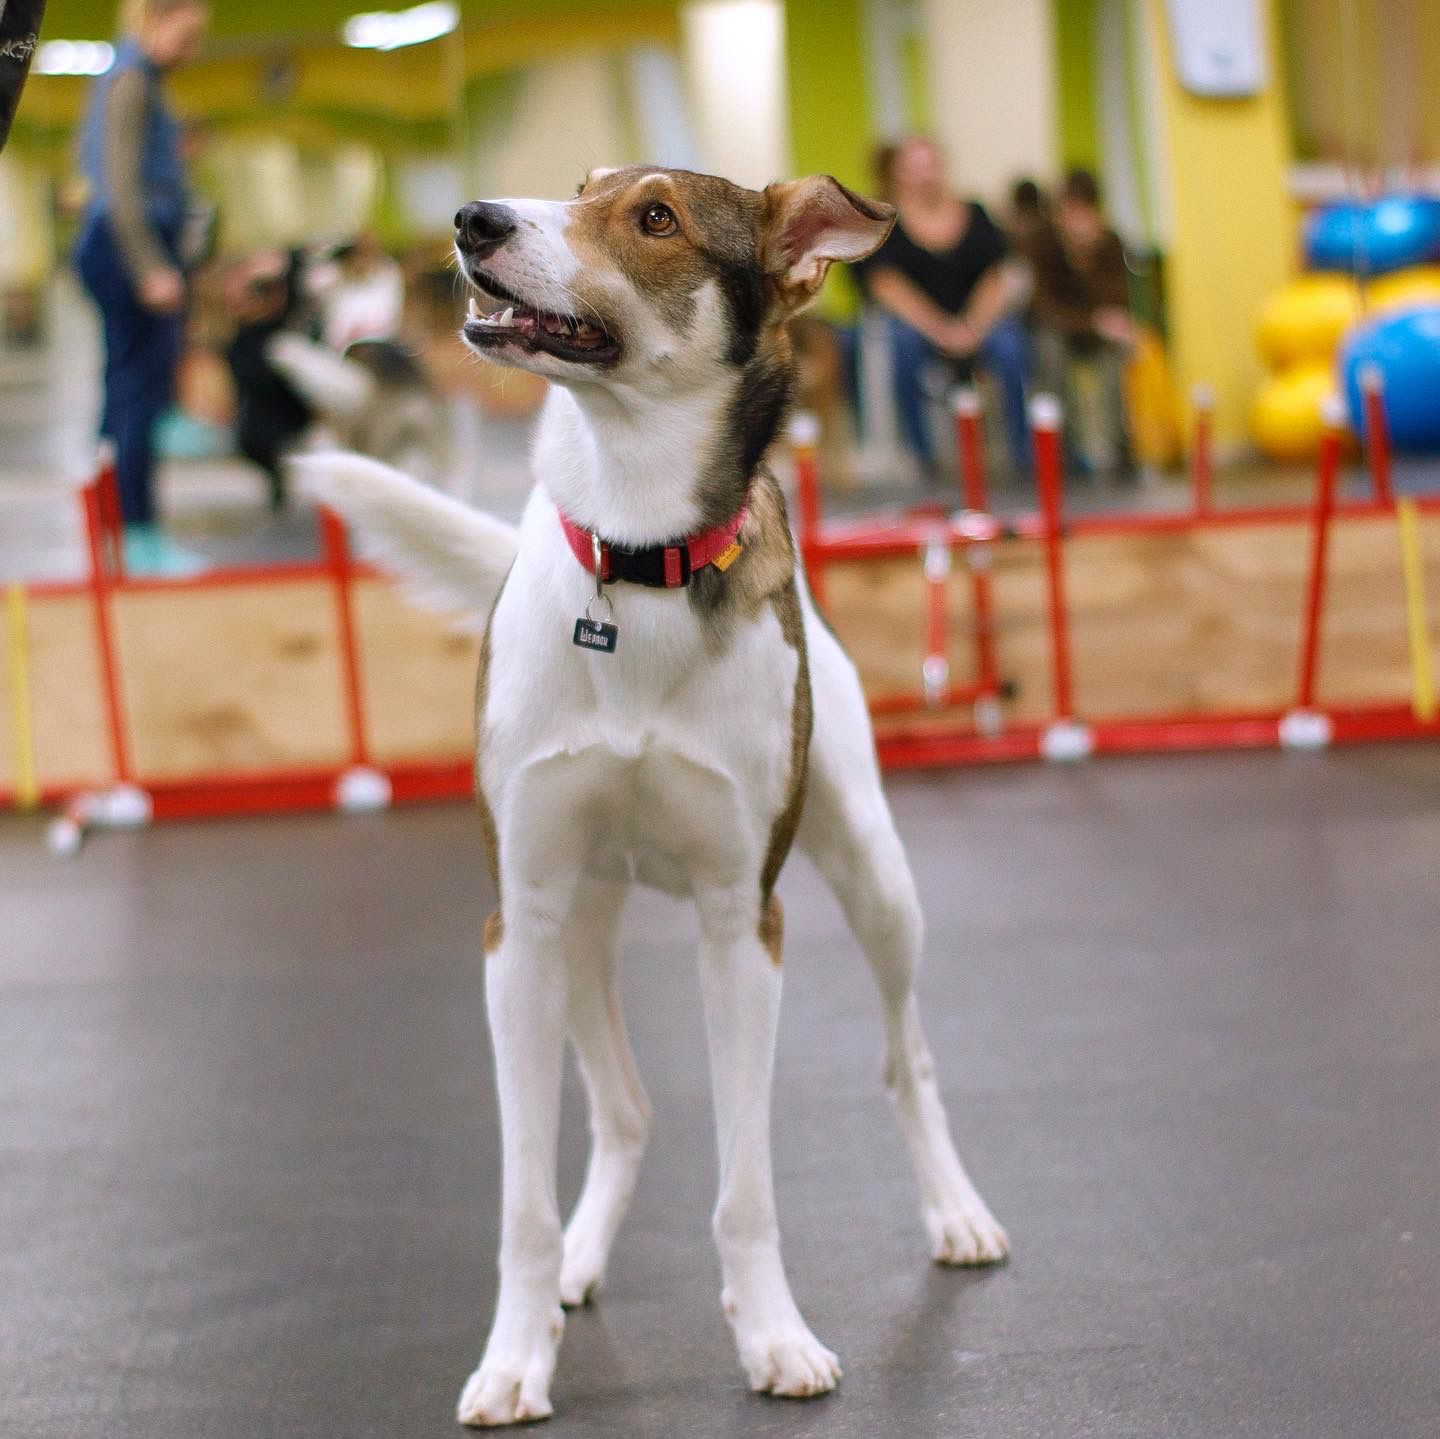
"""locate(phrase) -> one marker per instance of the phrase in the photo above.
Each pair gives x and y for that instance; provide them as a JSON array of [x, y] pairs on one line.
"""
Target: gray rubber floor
[[1188, 1018]]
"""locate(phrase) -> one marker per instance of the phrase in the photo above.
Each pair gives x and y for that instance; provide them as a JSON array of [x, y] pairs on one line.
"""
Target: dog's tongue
[[575, 332]]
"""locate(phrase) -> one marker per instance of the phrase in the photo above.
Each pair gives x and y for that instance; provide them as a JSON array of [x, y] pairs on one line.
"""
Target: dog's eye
[[659, 220]]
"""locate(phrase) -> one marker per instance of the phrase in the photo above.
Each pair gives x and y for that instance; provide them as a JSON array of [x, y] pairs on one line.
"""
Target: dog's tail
[[446, 555]]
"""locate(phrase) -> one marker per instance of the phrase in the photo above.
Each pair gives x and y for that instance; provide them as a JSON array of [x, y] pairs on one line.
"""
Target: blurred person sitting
[[1030, 218], [1081, 311], [943, 280], [129, 253]]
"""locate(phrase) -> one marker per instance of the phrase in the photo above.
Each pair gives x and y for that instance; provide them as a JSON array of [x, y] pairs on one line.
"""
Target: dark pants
[[1005, 353], [142, 358], [1056, 355]]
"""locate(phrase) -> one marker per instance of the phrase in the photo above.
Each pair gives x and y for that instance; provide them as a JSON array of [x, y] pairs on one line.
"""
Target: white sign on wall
[[1218, 46]]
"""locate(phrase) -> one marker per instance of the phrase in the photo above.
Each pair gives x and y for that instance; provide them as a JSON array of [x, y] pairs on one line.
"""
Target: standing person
[[943, 279], [1081, 307], [128, 254]]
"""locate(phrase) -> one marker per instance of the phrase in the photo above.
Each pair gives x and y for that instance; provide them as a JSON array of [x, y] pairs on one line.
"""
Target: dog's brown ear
[[811, 223]]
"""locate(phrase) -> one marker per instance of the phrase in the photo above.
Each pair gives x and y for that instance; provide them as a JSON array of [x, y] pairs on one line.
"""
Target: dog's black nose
[[482, 227]]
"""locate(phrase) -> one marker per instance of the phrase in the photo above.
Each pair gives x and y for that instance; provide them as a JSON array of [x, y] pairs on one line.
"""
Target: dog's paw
[[504, 1394], [793, 1364], [511, 1386], [580, 1281], [966, 1234]]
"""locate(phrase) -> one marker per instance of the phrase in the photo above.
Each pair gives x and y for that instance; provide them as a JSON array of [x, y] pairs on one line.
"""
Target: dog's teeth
[[507, 316], [474, 308]]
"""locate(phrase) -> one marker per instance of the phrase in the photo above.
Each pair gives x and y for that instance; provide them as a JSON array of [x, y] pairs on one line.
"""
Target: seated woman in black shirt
[[942, 278]]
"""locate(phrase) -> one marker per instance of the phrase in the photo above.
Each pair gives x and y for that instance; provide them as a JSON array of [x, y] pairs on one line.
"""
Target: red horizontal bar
[[911, 701], [1159, 736], [929, 748], [839, 542], [213, 797]]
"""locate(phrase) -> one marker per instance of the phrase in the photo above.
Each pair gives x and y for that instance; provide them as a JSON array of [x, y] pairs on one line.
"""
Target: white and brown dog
[[677, 721]]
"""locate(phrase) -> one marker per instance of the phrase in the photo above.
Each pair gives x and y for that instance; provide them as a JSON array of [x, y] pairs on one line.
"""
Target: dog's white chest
[[664, 762]]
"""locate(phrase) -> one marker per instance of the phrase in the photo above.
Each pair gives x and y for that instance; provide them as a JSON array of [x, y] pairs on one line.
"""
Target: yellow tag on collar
[[728, 556]]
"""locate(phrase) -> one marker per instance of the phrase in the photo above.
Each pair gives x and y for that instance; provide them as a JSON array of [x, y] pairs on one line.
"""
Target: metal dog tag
[[596, 635], [590, 633]]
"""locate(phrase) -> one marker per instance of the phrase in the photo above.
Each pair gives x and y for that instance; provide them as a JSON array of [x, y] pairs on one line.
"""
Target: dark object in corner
[[19, 39]]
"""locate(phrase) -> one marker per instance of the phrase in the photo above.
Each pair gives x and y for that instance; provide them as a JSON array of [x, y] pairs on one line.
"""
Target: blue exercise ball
[[1373, 239], [1405, 348]]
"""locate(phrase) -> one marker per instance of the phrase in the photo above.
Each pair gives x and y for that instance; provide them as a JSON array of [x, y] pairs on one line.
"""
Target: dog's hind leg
[[619, 1110], [848, 832]]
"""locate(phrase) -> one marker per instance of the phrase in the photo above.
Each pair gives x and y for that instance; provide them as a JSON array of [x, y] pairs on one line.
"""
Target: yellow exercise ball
[[1307, 319], [1419, 285], [1287, 419]]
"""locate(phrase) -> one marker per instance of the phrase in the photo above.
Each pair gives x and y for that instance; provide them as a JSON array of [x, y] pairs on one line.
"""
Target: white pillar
[[735, 65], [992, 86]]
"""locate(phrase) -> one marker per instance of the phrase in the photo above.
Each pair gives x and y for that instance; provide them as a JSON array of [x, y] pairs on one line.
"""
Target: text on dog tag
[[596, 635]]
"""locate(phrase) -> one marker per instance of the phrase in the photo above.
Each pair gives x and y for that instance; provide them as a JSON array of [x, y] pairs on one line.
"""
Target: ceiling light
[[391, 29], [73, 57]]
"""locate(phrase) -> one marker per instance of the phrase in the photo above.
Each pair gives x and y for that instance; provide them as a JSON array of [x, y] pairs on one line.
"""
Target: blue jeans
[[1005, 353], [142, 359]]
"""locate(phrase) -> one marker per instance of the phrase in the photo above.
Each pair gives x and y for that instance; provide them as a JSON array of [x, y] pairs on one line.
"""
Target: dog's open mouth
[[567, 337]]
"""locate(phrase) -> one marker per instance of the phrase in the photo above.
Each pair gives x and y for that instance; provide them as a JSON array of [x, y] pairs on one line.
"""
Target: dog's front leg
[[525, 989], [740, 982]]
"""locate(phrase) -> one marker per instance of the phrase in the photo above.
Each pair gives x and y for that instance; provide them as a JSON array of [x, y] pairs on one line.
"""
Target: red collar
[[659, 566]]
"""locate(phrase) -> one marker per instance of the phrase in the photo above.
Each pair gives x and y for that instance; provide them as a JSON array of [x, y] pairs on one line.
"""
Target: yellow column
[[1230, 223]]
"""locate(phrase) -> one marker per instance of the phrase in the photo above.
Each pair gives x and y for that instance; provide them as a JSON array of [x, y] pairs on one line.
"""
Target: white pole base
[[362, 790], [1067, 741], [1306, 729]]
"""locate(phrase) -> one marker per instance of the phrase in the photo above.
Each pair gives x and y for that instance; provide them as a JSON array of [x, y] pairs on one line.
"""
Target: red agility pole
[[805, 439], [935, 668], [969, 444], [1377, 432], [1202, 456], [337, 558], [112, 525], [1325, 481], [975, 490], [99, 583], [1045, 438]]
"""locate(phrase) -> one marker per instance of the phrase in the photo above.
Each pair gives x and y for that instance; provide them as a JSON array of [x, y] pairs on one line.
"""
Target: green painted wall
[[829, 96], [1076, 73], [829, 110]]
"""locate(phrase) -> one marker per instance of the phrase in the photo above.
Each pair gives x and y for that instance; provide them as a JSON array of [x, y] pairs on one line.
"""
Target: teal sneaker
[[151, 554]]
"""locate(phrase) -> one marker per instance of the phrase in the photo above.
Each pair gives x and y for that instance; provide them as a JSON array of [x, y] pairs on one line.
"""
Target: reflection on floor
[[1186, 1012]]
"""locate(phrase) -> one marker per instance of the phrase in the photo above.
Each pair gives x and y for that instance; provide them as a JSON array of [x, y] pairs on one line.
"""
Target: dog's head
[[654, 278]]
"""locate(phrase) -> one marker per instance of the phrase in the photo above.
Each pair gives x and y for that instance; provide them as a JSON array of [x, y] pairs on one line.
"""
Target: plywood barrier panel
[[1200, 622], [238, 678], [1191, 623], [878, 611], [417, 678], [67, 718]]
